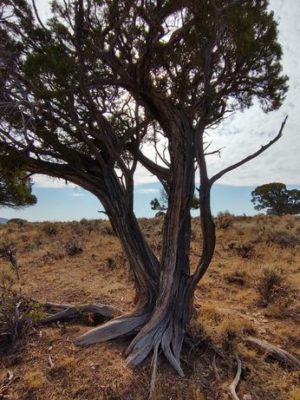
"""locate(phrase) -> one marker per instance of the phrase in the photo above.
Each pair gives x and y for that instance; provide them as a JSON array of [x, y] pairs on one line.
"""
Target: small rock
[[247, 396]]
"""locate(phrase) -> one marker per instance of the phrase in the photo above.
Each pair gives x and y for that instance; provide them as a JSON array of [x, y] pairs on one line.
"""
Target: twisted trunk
[[164, 290]]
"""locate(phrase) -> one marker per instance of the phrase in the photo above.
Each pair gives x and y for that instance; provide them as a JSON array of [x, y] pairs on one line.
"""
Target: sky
[[238, 136]]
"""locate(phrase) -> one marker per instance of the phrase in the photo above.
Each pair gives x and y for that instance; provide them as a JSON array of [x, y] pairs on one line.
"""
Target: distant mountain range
[[3, 220]]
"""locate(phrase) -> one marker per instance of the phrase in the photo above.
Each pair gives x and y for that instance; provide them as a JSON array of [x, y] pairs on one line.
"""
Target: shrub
[[50, 229], [246, 250], [8, 251], [283, 239], [224, 220], [17, 314], [107, 230], [18, 221], [272, 286], [74, 247]]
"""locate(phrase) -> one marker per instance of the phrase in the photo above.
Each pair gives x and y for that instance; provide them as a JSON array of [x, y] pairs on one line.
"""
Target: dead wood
[[69, 311], [274, 351], [235, 382], [121, 326]]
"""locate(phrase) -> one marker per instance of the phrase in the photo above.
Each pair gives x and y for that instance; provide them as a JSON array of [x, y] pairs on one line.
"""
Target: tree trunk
[[164, 290]]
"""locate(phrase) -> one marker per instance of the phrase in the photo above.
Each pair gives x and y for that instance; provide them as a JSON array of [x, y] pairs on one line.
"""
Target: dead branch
[[51, 363], [235, 382], [275, 352], [214, 178], [69, 311]]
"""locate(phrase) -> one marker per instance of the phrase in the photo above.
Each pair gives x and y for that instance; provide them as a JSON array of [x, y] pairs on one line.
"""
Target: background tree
[[276, 198], [15, 190], [82, 93], [161, 205]]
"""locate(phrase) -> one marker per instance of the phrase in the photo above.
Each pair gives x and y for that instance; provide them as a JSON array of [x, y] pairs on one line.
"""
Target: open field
[[251, 289]]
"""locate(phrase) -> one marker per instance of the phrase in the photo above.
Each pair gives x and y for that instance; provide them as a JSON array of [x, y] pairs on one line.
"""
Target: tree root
[[154, 372], [69, 311], [235, 382], [275, 352], [121, 326], [165, 335]]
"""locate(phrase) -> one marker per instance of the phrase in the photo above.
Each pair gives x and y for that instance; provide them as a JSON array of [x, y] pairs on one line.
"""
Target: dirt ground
[[250, 289]]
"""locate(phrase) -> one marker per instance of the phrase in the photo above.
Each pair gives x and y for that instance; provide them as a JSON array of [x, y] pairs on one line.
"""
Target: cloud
[[43, 181], [78, 194], [147, 190], [245, 132]]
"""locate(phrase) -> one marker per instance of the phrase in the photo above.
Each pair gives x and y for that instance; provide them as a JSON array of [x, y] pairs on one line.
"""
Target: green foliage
[[277, 199], [15, 190]]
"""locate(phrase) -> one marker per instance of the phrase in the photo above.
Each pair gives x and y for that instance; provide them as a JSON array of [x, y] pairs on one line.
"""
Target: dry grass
[[235, 299]]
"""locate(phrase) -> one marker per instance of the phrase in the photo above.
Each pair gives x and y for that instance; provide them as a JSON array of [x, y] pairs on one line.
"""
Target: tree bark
[[165, 289]]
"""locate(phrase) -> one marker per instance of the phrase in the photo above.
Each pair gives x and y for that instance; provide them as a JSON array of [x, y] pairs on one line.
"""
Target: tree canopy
[[276, 199], [15, 190], [82, 94]]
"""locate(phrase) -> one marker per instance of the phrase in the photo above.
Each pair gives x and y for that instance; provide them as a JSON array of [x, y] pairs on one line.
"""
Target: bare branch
[[37, 15], [161, 172], [214, 178]]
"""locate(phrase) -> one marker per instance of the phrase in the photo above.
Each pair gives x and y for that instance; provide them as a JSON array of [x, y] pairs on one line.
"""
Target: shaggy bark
[[161, 323]]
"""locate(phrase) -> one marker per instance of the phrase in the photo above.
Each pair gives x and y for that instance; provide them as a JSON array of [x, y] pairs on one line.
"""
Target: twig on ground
[[235, 382], [214, 364]]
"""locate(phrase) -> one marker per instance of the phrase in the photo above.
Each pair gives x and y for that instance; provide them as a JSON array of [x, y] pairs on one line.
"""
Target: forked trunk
[[165, 290]]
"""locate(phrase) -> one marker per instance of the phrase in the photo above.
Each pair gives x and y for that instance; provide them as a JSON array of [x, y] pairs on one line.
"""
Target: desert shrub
[[107, 230], [50, 257], [239, 278], [88, 225], [74, 247], [272, 286], [283, 239], [245, 250], [17, 221], [8, 251], [50, 229], [224, 220], [17, 314]]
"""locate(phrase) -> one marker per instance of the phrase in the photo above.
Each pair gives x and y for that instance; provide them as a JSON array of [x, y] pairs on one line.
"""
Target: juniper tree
[[276, 198], [15, 189], [83, 92]]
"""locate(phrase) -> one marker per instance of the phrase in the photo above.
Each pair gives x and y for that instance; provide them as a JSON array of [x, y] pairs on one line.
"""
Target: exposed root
[[165, 336], [275, 352], [214, 364], [154, 372], [69, 311], [124, 325], [235, 382]]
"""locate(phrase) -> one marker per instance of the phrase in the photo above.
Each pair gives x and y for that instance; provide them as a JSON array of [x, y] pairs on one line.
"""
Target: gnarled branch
[[219, 175]]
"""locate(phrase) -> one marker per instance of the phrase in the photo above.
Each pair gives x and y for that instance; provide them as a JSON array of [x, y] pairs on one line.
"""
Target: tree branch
[[214, 178]]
